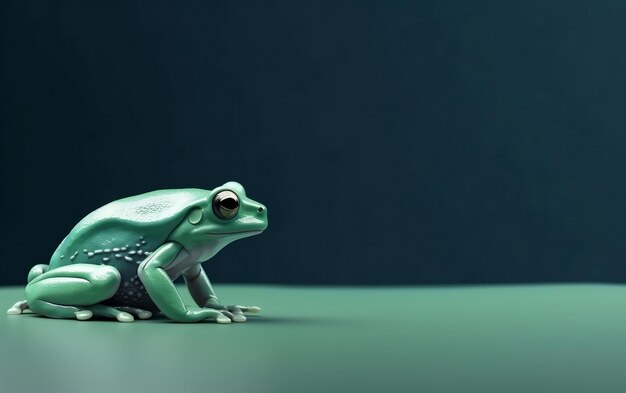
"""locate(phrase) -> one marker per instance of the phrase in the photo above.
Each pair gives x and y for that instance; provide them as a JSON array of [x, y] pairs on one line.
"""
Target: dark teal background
[[393, 142]]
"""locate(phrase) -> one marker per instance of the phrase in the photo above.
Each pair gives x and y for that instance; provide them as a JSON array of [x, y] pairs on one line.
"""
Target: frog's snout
[[262, 215], [261, 212]]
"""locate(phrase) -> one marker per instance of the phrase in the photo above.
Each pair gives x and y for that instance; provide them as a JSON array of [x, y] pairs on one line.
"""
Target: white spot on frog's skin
[[133, 252], [147, 253], [105, 259], [141, 237], [98, 252], [143, 242], [74, 256], [62, 256], [118, 255], [90, 254], [116, 249], [139, 252], [129, 259], [107, 250], [85, 251], [123, 248], [138, 245]]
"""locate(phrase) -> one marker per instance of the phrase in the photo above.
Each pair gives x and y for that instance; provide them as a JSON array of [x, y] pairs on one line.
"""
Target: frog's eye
[[195, 216], [226, 205]]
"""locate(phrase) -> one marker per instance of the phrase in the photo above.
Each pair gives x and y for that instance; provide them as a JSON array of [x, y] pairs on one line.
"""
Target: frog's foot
[[82, 314], [138, 312], [18, 308], [234, 312], [102, 311]]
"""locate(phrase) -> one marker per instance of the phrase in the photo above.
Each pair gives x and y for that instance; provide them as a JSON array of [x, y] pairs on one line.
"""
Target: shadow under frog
[[120, 261]]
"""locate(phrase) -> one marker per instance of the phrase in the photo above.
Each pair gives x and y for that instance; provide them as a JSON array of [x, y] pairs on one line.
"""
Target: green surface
[[561, 338]]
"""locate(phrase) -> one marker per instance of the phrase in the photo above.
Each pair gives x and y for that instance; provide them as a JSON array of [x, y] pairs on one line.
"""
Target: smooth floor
[[542, 338]]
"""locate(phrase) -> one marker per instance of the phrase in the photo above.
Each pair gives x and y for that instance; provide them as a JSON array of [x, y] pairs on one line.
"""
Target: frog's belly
[[131, 292]]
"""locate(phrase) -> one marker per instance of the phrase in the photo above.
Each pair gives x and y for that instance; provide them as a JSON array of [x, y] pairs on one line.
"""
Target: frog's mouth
[[234, 233]]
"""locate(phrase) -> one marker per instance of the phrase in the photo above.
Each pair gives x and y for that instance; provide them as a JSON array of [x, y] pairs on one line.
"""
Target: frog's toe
[[14, 311], [254, 310], [222, 319], [125, 317], [83, 315], [239, 318], [248, 309], [138, 312], [233, 316], [237, 315], [18, 308]]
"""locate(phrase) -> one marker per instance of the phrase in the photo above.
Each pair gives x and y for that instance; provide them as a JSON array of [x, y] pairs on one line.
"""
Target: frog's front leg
[[162, 291], [203, 294], [75, 291]]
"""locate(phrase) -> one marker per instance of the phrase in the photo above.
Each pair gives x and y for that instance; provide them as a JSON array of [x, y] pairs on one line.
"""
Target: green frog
[[121, 260]]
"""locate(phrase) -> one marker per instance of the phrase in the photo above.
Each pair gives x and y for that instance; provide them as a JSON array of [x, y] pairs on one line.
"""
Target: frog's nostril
[[261, 209]]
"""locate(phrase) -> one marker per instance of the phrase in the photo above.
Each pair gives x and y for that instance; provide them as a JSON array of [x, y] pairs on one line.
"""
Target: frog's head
[[226, 214]]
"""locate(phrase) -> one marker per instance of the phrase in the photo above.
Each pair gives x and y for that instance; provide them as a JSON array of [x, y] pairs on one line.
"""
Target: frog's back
[[123, 232]]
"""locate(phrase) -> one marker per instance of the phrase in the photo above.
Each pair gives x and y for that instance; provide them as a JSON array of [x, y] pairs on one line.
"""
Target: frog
[[121, 260]]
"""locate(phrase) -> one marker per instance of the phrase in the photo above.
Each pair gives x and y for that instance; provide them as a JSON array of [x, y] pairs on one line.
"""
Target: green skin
[[120, 261]]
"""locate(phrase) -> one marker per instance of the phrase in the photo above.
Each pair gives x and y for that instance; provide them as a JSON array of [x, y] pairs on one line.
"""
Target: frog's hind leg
[[75, 291]]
